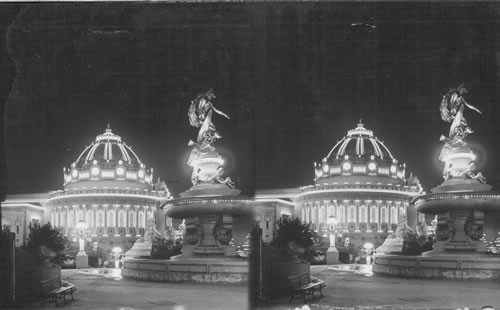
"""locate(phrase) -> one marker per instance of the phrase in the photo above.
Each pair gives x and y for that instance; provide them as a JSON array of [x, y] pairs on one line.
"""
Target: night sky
[[294, 77]]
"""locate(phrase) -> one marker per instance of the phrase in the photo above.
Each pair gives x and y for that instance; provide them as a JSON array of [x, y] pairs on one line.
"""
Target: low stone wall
[[447, 267], [191, 270]]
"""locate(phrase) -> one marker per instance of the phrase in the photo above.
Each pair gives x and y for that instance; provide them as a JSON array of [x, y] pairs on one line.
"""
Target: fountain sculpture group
[[460, 204], [216, 216]]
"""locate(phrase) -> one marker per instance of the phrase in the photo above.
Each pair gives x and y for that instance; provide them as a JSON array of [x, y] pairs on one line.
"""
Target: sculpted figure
[[200, 116], [204, 158], [452, 110], [151, 233], [403, 229]]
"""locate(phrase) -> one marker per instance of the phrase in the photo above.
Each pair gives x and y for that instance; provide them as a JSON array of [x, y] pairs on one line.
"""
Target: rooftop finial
[[108, 129], [360, 123]]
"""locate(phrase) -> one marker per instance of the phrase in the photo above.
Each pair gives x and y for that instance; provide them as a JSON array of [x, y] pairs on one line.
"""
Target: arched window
[[100, 218], [80, 216], [341, 216], [383, 213], [121, 219], [352, 214], [71, 219], [63, 218], [322, 215], [131, 219], [373, 216], [362, 214], [141, 219], [90, 218], [111, 218], [331, 211], [394, 215]]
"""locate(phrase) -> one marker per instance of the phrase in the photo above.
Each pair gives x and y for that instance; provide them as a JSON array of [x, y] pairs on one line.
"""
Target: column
[[105, 207], [94, 207], [68, 224], [136, 219], [127, 221], [116, 219]]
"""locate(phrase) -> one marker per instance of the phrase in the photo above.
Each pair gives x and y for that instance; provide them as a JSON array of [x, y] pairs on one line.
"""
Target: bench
[[303, 284], [54, 290]]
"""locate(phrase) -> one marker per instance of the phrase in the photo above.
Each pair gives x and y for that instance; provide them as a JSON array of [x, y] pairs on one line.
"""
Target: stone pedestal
[[82, 260], [332, 256], [208, 245]]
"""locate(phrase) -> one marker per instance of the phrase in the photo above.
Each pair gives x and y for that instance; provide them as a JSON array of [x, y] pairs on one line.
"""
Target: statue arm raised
[[471, 107], [219, 112]]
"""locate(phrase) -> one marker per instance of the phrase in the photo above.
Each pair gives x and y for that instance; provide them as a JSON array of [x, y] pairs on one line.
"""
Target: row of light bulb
[[347, 166], [96, 170]]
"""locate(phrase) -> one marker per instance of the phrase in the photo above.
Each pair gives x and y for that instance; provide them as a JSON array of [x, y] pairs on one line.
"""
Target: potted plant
[[46, 241]]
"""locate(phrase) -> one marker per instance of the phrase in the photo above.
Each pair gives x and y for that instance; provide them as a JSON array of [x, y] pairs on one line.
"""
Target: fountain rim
[[462, 200], [214, 205]]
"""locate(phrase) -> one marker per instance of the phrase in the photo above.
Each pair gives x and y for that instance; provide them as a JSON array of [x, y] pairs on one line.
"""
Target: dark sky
[[294, 77]]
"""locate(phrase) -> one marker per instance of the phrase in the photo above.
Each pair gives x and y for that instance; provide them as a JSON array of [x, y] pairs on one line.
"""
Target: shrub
[[293, 231], [48, 236]]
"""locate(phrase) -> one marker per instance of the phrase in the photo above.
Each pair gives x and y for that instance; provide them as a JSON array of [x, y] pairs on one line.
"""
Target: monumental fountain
[[216, 216], [461, 204]]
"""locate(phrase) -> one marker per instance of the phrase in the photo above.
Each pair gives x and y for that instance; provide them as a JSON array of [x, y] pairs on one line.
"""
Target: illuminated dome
[[359, 154], [360, 142], [106, 159]]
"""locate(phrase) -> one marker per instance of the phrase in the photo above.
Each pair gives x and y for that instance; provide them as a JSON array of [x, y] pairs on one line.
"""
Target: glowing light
[[393, 169], [141, 174], [358, 190], [74, 173], [372, 166], [346, 166], [120, 171], [144, 196], [326, 168], [461, 155], [368, 246], [95, 171]]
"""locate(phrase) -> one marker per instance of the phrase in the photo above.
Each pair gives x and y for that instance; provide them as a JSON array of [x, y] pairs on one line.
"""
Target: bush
[[48, 236], [293, 231]]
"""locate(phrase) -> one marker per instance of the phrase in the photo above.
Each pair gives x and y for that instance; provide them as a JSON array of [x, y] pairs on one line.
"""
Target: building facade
[[111, 191], [362, 187]]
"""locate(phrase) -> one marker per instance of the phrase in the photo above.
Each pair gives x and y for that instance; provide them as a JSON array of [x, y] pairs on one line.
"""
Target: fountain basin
[[472, 266], [203, 270], [457, 201]]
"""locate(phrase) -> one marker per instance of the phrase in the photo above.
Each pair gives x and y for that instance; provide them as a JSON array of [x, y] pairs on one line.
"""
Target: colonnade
[[98, 218], [353, 211]]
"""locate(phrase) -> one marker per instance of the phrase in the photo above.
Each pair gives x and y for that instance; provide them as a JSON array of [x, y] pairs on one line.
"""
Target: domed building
[[111, 191], [362, 186]]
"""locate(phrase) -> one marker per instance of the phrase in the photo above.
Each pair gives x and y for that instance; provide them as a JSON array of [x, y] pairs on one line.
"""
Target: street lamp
[[332, 254], [82, 260]]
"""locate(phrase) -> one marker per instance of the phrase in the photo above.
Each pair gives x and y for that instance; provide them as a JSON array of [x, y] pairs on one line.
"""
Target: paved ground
[[355, 287], [105, 289], [350, 287]]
